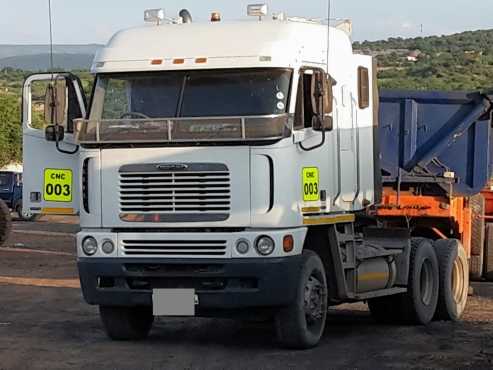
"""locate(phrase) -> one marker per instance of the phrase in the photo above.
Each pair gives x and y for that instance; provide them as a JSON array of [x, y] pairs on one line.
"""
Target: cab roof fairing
[[225, 45]]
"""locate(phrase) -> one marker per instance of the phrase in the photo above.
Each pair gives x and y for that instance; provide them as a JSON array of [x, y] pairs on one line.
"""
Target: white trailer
[[225, 168]]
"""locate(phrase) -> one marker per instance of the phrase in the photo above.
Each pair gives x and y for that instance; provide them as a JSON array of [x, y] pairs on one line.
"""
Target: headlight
[[89, 245], [264, 245], [108, 247], [242, 246]]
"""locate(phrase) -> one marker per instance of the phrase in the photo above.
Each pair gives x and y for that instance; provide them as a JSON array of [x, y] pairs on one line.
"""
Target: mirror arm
[[57, 142], [315, 146]]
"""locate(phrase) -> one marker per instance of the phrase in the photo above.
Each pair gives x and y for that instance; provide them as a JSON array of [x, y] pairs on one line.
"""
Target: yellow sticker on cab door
[[58, 185], [311, 187]]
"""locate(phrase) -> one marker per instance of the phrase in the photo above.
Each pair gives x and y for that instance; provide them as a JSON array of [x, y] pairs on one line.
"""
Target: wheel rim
[[457, 281], [426, 277], [314, 305]]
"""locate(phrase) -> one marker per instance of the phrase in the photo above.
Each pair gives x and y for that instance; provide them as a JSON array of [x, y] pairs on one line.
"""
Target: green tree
[[10, 129]]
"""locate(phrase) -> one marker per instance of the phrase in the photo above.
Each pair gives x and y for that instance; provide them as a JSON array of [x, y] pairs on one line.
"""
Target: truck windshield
[[5, 179], [200, 104]]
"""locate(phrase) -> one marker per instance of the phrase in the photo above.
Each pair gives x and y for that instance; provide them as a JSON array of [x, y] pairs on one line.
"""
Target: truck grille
[[208, 248], [175, 193]]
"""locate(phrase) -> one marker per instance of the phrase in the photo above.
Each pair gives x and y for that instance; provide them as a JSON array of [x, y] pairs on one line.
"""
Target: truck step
[[377, 293]]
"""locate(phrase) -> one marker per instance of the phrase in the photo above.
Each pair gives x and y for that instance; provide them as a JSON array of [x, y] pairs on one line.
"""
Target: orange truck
[[436, 169]]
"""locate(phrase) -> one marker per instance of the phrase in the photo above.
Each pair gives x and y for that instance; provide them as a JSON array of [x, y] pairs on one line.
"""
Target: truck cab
[[220, 169]]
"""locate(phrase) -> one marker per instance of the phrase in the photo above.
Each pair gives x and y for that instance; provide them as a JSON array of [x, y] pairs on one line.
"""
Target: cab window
[[308, 101]]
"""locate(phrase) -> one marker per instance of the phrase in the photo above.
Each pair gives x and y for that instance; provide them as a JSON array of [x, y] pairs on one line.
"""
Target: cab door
[[51, 101]]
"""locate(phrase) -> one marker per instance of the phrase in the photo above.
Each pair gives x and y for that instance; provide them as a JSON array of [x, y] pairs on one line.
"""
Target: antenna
[[51, 35], [329, 6]]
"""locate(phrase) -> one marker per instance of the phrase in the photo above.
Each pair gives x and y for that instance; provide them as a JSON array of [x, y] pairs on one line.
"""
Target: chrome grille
[[211, 248], [193, 192]]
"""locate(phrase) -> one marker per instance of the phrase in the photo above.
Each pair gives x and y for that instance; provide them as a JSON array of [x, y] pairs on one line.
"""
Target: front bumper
[[218, 283]]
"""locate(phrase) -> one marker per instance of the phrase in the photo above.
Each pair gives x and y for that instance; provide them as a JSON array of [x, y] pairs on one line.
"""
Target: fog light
[[108, 247], [89, 245], [242, 246], [288, 243], [264, 245]]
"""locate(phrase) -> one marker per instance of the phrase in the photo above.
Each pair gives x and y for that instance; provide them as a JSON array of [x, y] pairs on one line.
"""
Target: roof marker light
[[200, 60], [156, 62], [257, 10], [179, 61], [215, 17], [154, 16]]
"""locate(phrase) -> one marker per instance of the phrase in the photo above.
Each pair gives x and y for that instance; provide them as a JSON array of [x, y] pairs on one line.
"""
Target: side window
[[304, 108], [311, 82], [39, 103], [363, 88]]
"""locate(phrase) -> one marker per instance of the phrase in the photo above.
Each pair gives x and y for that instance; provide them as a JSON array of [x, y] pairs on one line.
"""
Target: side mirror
[[322, 101], [54, 133], [55, 98]]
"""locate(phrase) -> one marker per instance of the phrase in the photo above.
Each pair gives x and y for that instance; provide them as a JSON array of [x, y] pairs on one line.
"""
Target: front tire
[[301, 325], [454, 279], [26, 218], [127, 323]]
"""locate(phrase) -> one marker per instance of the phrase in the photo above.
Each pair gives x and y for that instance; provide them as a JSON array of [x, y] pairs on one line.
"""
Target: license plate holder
[[173, 302]]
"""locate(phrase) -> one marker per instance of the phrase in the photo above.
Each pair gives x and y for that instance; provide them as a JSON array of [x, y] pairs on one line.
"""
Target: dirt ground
[[45, 324]]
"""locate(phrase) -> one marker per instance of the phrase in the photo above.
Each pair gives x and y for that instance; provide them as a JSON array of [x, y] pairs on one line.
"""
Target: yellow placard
[[57, 185], [311, 188]]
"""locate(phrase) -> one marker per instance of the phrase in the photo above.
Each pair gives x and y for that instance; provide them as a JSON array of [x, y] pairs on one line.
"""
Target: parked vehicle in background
[[11, 194]]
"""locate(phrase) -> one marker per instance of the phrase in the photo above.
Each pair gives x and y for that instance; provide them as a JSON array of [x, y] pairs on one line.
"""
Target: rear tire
[[488, 262], [5, 222], [301, 325], [477, 204], [454, 280], [127, 323], [418, 304]]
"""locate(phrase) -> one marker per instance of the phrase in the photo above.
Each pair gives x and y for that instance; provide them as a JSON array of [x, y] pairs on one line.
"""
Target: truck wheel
[[419, 303], [477, 204], [301, 325], [28, 218], [5, 222], [127, 323], [488, 262], [454, 279]]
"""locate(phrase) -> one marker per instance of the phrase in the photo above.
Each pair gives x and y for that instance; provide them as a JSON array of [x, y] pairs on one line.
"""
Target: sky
[[94, 21]]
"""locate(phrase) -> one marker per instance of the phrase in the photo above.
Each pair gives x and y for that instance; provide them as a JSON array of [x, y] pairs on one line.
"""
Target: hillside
[[462, 61], [7, 51], [41, 62], [36, 57]]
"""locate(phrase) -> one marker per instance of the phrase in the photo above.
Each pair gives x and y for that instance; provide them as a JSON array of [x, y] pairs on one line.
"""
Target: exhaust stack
[[185, 16]]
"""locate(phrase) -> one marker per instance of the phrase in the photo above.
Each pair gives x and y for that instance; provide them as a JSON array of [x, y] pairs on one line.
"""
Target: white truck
[[225, 169]]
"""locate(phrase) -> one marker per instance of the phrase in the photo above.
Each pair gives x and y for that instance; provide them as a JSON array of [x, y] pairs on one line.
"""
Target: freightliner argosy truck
[[232, 169]]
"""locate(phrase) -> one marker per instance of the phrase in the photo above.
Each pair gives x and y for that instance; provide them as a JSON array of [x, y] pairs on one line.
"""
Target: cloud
[[407, 25]]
